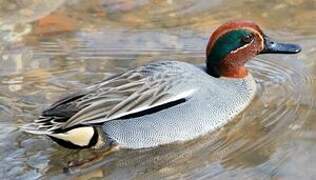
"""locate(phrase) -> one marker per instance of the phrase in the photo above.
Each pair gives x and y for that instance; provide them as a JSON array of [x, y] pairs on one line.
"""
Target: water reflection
[[63, 46]]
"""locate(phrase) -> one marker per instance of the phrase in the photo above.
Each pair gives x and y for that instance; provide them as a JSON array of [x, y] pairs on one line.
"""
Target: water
[[48, 49]]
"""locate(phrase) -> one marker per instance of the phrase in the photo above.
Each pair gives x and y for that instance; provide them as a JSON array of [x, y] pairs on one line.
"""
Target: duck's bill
[[271, 46]]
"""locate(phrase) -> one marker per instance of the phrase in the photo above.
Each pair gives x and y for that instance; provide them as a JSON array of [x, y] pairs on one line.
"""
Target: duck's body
[[200, 108], [164, 101]]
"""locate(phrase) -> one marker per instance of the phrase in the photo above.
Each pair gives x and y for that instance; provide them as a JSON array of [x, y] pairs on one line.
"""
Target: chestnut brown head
[[234, 43]]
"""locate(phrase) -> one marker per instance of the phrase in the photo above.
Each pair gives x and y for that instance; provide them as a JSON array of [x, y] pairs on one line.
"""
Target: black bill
[[282, 48]]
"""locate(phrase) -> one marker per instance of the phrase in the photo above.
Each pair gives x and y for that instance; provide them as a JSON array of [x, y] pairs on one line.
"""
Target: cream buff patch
[[79, 136]]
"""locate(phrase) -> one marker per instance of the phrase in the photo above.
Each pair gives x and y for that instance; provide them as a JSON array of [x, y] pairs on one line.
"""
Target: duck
[[165, 101]]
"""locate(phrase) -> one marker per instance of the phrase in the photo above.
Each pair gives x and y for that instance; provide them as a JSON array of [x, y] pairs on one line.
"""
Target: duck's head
[[234, 43]]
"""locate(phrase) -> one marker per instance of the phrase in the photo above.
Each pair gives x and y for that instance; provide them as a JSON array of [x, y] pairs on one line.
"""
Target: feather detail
[[131, 92]]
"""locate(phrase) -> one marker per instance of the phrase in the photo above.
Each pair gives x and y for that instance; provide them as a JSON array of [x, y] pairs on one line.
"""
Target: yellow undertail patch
[[79, 136]]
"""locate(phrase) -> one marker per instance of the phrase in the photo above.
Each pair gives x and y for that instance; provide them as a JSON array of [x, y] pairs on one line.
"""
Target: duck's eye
[[247, 39]]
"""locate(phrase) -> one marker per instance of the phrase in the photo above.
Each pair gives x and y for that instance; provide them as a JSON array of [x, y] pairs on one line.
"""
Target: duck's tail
[[34, 128], [79, 137]]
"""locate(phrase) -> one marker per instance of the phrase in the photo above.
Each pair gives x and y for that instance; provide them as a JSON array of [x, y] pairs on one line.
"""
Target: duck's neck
[[227, 70], [234, 72], [232, 66]]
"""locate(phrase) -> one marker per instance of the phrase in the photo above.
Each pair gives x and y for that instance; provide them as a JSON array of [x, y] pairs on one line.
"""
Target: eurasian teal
[[165, 101]]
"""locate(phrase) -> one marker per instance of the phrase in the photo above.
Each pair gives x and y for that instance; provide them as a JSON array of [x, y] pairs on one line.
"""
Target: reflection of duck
[[166, 101]]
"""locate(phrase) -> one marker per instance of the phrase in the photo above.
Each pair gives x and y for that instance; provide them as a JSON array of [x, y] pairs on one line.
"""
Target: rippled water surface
[[51, 48]]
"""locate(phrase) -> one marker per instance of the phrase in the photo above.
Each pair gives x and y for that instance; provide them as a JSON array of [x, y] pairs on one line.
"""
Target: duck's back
[[211, 104]]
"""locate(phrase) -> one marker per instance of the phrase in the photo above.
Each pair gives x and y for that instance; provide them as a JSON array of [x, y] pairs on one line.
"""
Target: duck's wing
[[132, 92]]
